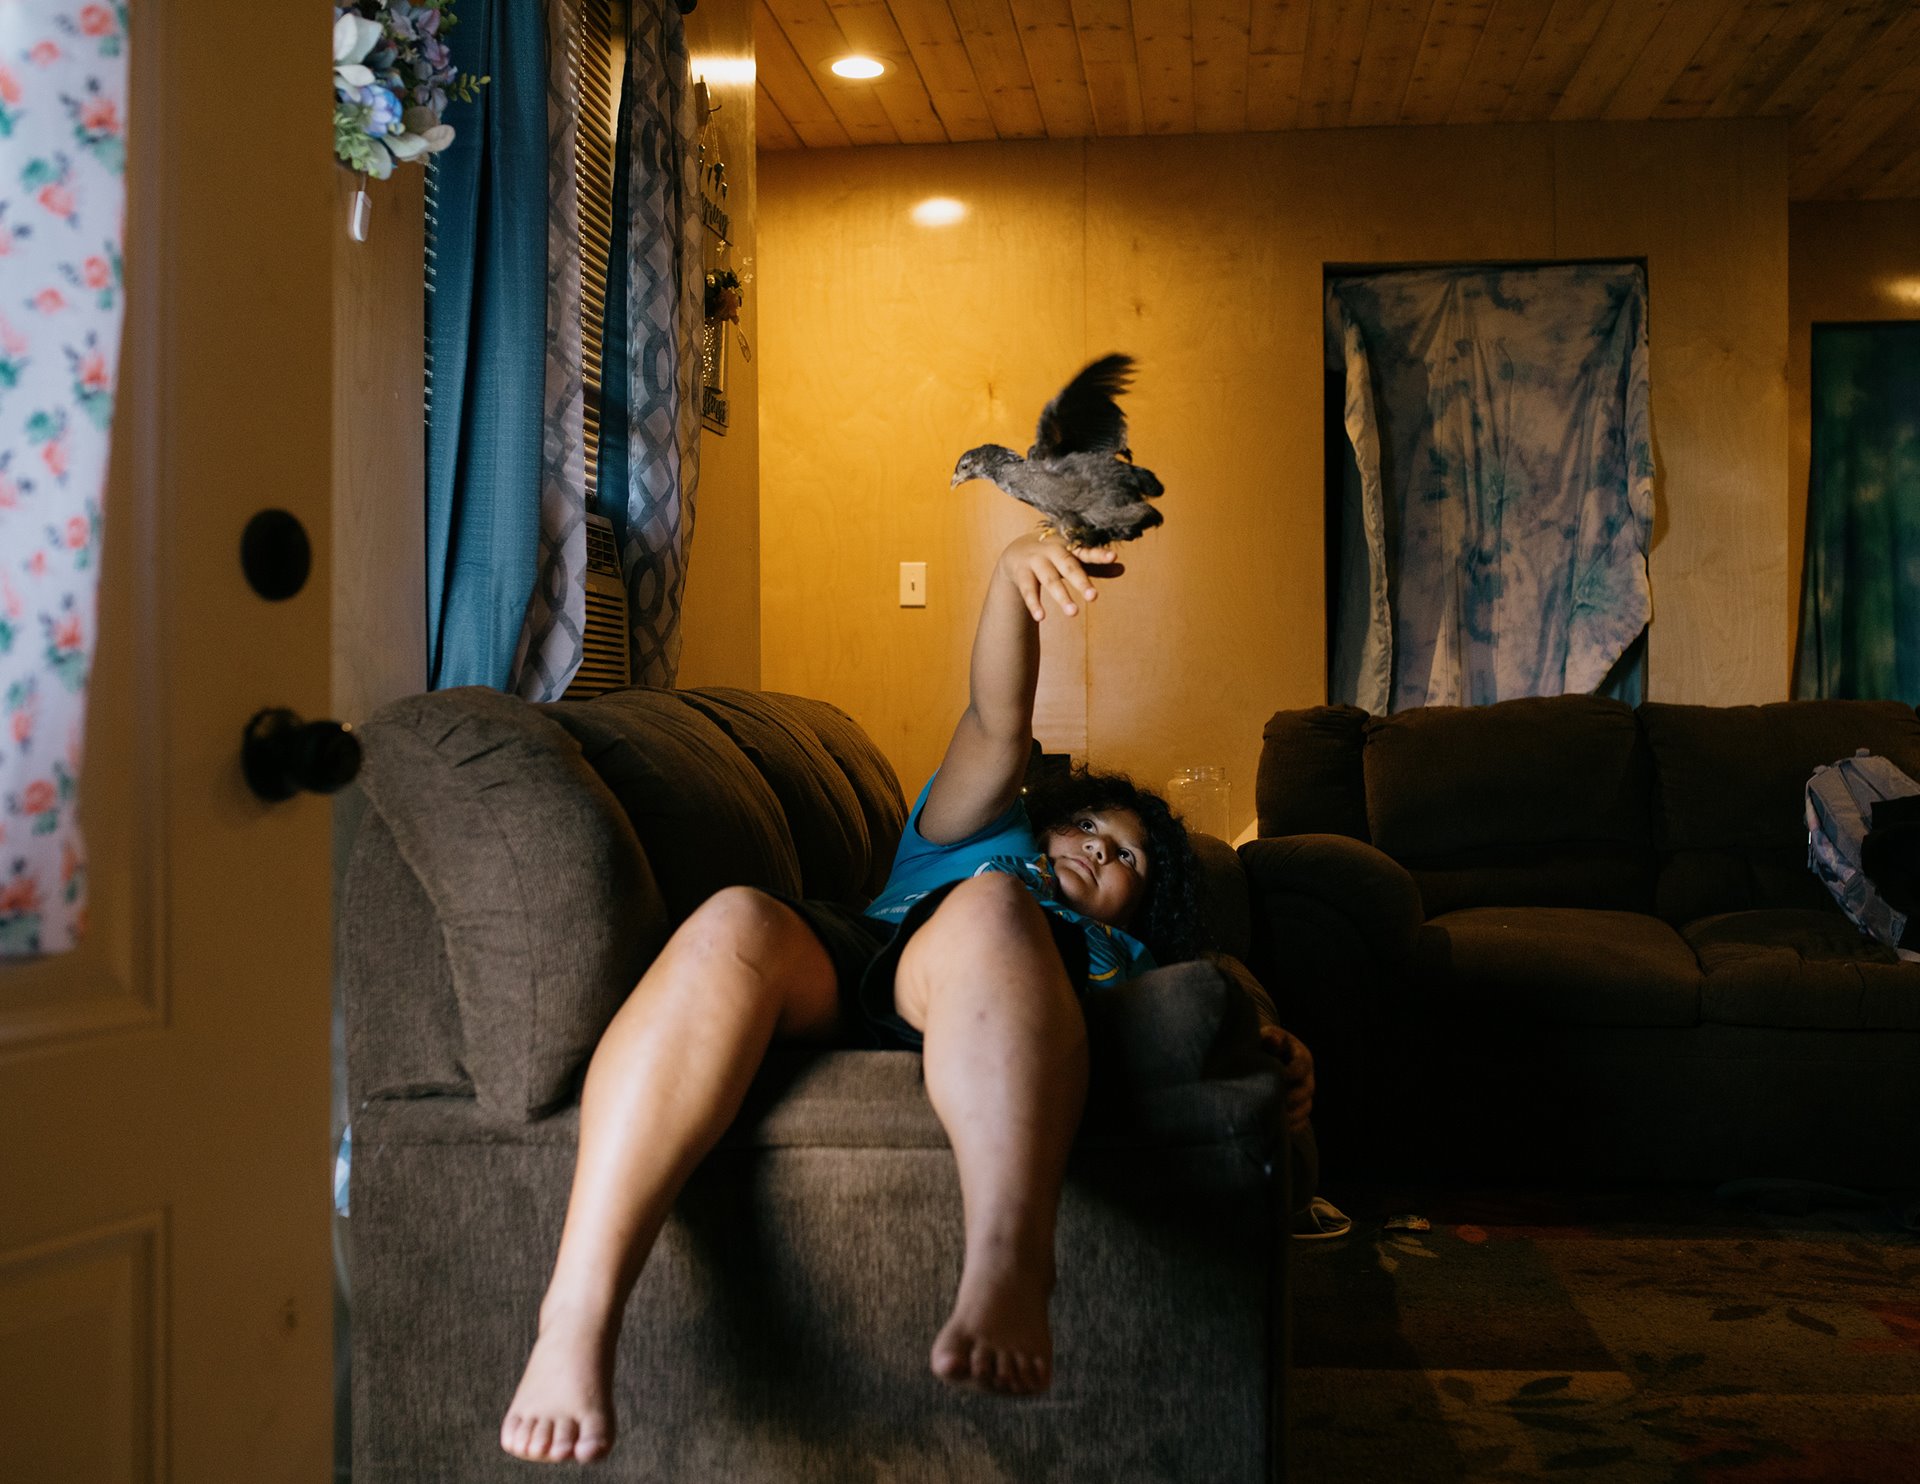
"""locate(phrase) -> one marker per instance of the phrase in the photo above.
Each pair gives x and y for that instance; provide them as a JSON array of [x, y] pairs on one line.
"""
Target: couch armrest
[[532, 879], [1176, 1058], [390, 962], [1225, 908], [1328, 906]]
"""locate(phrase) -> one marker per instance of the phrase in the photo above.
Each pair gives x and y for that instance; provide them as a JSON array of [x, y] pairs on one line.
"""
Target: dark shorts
[[866, 953]]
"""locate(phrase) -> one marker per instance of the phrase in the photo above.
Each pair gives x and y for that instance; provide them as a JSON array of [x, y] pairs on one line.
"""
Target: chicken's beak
[[959, 478]]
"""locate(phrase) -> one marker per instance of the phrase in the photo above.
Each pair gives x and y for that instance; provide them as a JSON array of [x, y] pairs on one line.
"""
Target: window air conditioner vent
[[603, 665]]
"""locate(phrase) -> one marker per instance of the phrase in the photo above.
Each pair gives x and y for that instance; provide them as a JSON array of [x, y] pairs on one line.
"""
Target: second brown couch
[[1558, 937]]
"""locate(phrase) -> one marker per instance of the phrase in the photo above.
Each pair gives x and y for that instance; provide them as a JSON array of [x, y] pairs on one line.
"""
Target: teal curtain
[[486, 334], [1860, 588]]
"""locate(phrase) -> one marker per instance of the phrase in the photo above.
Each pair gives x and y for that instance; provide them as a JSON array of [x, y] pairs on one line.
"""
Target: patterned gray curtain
[[665, 282], [550, 639]]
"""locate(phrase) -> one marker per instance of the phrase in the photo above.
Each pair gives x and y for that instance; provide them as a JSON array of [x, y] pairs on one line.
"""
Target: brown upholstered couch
[[518, 867], [1564, 936]]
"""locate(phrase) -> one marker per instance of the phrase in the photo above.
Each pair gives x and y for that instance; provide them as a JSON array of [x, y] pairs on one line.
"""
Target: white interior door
[[164, 1169]]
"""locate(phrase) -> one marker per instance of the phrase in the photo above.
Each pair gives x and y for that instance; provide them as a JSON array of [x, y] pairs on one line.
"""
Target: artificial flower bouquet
[[392, 77], [723, 296]]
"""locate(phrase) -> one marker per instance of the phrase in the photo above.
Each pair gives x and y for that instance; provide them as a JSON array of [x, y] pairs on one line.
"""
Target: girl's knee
[[744, 949], [740, 923], [988, 935], [733, 910], [986, 904]]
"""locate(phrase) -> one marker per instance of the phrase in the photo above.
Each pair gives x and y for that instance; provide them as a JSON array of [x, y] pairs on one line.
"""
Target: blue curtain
[[1500, 498], [486, 331], [1860, 588]]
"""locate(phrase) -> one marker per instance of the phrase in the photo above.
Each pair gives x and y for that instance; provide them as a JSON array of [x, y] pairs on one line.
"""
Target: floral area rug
[[1621, 1336]]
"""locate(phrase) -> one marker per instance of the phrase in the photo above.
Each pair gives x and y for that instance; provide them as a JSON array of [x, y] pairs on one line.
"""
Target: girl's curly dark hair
[[1168, 921]]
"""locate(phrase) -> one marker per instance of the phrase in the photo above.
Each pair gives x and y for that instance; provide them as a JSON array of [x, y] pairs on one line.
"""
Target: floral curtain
[[1860, 588], [1502, 484], [652, 452], [63, 75]]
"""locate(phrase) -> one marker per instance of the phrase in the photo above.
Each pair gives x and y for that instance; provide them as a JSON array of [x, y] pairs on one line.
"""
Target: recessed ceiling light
[[858, 67]]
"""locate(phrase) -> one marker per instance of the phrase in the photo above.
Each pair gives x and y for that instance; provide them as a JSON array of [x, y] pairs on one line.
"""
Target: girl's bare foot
[[997, 1337], [560, 1413]]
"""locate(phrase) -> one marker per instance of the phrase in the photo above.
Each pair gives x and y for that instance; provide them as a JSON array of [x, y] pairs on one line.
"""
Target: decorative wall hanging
[[63, 75], [724, 290], [392, 77]]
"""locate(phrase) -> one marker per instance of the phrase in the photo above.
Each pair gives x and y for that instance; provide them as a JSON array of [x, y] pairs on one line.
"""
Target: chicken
[[1079, 474]]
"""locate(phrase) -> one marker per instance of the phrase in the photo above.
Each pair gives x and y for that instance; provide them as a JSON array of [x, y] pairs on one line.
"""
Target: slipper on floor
[[1321, 1220]]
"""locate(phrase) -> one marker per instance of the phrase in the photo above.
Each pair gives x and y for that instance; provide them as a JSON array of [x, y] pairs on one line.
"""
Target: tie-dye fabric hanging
[[63, 70], [1502, 499], [551, 640], [665, 291]]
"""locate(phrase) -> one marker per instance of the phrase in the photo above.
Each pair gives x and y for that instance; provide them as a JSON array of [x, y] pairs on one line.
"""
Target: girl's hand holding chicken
[[1042, 564]]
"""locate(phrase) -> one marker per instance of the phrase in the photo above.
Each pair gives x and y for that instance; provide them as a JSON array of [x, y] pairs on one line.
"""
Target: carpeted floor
[[1626, 1337]]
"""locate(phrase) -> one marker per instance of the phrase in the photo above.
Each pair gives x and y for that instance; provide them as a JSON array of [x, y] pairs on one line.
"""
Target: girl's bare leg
[[1006, 1069], [665, 1081]]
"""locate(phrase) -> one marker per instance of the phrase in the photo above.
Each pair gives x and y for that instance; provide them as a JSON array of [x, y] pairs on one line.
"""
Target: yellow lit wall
[[888, 347], [720, 619]]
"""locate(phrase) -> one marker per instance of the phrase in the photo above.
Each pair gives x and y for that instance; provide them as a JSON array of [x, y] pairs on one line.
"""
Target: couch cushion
[[1310, 780], [869, 773], [1729, 795], [1541, 801], [547, 907], [823, 813], [703, 812], [1560, 966], [1801, 969]]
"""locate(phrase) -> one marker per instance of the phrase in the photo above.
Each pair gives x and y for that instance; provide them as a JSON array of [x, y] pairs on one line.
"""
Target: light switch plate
[[913, 584]]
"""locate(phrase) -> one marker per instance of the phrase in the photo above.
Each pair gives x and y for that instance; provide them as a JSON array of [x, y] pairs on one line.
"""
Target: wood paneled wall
[[379, 448], [889, 347], [1854, 260], [379, 462], [720, 623]]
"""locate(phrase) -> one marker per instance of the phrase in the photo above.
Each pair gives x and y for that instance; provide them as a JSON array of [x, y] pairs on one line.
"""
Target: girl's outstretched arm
[[987, 758]]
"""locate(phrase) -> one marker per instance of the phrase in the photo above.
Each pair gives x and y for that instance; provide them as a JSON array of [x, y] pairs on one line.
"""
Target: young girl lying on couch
[[999, 914]]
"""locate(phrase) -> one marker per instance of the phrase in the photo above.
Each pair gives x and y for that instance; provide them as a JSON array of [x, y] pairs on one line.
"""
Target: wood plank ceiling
[[1846, 73]]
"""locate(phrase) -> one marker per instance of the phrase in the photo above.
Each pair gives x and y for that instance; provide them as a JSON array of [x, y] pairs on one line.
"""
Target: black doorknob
[[283, 755]]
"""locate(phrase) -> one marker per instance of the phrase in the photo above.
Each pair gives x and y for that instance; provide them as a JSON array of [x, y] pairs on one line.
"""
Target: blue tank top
[[1007, 845]]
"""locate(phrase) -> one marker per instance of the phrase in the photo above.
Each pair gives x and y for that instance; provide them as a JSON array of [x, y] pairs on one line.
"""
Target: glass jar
[[1200, 796]]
